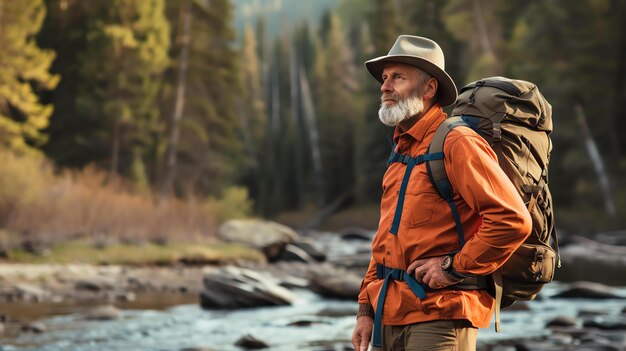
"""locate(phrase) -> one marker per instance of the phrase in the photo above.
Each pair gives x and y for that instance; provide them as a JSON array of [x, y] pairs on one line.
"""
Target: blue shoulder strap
[[437, 170]]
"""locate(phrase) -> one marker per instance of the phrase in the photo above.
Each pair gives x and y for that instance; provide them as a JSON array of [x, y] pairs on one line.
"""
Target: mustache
[[390, 96]]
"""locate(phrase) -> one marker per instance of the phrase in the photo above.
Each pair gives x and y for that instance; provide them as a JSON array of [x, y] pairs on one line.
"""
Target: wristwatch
[[449, 271]]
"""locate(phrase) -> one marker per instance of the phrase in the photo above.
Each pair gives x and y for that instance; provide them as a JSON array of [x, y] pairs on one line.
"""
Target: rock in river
[[335, 282], [249, 342], [233, 287], [266, 236], [588, 290], [103, 313]]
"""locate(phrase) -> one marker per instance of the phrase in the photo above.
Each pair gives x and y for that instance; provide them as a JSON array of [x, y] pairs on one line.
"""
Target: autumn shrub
[[90, 204], [23, 178]]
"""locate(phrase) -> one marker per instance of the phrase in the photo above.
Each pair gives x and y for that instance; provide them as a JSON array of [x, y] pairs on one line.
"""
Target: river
[[311, 323]]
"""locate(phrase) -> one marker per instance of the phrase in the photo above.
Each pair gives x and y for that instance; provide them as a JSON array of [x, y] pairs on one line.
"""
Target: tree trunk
[[483, 35], [115, 148], [277, 173], [309, 118], [295, 113], [620, 88], [596, 160], [180, 102]]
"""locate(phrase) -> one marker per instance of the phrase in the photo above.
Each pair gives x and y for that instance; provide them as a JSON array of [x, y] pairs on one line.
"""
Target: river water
[[311, 323]]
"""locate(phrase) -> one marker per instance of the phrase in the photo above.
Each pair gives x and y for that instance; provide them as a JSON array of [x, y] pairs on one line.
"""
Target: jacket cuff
[[365, 309]]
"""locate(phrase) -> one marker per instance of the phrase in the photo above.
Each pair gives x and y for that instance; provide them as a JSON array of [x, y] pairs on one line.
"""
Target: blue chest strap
[[410, 162]]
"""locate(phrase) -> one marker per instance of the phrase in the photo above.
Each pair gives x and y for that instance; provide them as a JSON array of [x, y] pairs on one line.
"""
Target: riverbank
[[30, 293], [54, 306], [313, 323], [37, 283]]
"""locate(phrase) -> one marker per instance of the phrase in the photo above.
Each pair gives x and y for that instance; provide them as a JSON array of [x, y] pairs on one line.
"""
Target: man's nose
[[386, 87]]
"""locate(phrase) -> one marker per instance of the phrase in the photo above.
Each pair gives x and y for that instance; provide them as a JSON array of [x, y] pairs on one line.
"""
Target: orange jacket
[[495, 222]]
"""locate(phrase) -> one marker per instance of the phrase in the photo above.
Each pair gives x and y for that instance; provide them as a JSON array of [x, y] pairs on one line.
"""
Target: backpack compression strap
[[437, 171]]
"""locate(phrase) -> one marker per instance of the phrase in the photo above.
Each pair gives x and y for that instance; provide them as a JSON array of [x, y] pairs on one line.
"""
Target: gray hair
[[423, 78]]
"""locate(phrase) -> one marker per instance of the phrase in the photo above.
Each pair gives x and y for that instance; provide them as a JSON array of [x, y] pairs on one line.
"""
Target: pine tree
[[120, 69], [251, 111], [335, 87], [372, 147], [576, 44], [24, 72], [426, 18], [65, 31], [184, 39], [477, 24], [210, 154]]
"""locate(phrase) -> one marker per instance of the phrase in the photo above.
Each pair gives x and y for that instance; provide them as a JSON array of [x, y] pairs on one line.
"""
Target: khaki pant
[[446, 335]]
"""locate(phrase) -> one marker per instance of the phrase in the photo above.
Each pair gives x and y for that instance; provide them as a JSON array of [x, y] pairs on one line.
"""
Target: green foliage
[[371, 145], [252, 114], [22, 179], [126, 52], [211, 150], [335, 84], [23, 73], [577, 39], [244, 120], [234, 203], [138, 174]]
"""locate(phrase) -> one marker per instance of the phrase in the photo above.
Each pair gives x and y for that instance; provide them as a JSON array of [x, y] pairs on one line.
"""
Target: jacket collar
[[419, 129]]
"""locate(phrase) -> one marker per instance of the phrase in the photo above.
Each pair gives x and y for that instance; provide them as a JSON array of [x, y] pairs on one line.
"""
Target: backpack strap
[[492, 83], [410, 162], [498, 292], [437, 170], [437, 173], [534, 195]]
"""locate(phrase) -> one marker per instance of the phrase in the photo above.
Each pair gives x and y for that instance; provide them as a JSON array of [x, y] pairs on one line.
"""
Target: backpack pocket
[[531, 263], [527, 271]]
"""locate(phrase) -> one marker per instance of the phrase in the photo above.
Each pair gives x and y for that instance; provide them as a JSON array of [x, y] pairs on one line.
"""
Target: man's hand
[[362, 333], [428, 271]]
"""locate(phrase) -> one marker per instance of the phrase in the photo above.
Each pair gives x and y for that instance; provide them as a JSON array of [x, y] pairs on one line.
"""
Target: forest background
[[135, 120]]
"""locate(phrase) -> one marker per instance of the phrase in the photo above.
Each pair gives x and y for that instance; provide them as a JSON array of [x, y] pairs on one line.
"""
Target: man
[[422, 289]]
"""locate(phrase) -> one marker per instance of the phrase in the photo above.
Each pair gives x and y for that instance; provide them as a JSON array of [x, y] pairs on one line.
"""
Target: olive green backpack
[[516, 120]]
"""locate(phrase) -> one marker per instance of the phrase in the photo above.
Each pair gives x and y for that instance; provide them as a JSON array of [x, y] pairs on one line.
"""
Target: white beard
[[403, 109]]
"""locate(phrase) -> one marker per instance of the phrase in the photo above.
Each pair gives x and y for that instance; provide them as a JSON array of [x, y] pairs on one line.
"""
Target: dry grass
[[39, 205], [144, 254]]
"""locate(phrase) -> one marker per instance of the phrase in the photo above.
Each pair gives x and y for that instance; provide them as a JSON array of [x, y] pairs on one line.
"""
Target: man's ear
[[430, 91]]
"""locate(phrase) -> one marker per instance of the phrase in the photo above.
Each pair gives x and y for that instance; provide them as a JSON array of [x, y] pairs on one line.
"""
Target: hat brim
[[447, 88]]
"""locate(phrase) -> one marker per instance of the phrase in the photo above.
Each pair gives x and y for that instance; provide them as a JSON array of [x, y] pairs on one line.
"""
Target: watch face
[[446, 262]]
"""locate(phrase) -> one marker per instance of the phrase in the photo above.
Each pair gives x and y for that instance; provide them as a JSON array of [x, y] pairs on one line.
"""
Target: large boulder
[[585, 257], [587, 290], [309, 246], [234, 287], [266, 236], [335, 282], [294, 253], [356, 233]]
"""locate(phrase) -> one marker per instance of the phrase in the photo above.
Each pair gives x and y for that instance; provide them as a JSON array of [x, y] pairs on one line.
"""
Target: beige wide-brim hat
[[422, 53]]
